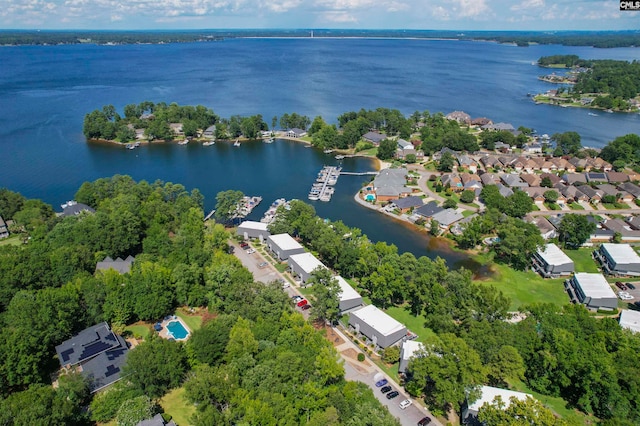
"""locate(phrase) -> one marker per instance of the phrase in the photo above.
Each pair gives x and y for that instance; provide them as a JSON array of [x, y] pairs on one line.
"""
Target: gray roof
[[609, 189], [513, 181], [504, 191], [403, 144], [590, 192], [572, 178], [552, 255], [621, 253], [157, 420], [297, 131], [596, 177], [429, 209], [447, 217], [408, 202], [631, 189], [594, 285], [99, 351], [374, 137], [122, 266], [73, 208], [499, 126]]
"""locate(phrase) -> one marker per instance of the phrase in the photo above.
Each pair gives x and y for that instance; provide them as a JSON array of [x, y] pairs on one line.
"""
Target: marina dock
[[270, 214], [323, 188]]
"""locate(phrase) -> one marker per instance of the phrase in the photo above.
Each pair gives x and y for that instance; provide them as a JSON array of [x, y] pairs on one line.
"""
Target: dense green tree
[[227, 204], [326, 290], [446, 162], [208, 344], [449, 203], [317, 124], [574, 230], [133, 411], [40, 405], [467, 196], [518, 413], [104, 406], [391, 354], [546, 182], [386, 149], [568, 142], [10, 203], [551, 196], [518, 241], [325, 137], [156, 366]]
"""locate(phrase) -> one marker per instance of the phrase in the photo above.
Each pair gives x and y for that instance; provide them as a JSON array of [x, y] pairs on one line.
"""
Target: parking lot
[[635, 293]]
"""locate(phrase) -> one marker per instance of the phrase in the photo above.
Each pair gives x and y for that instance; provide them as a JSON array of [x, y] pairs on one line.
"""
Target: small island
[[605, 84]]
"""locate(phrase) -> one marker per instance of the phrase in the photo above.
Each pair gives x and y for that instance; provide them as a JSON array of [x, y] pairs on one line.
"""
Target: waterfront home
[[283, 246], [493, 127], [458, 227], [97, 353], [409, 350], [4, 230], [176, 128], [377, 326], [592, 290], [374, 137], [481, 121], [140, 135], [428, 210], [489, 395], [252, 229], [407, 203], [551, 262], [147, 116], [617, 177], [531, 179], [348, 298], [210, 132], [296, 133], [631, 188], [459, 116], [119, 265], [302, 265], [390, 184], [627, 232], [73, 208], [618, 259], [573, 178], [401, 154], [447, 217]]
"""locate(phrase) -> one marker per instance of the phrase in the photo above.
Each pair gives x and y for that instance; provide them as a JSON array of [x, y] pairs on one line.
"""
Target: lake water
[[46, 90]]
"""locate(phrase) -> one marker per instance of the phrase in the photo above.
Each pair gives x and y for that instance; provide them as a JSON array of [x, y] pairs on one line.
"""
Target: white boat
[[236, 143], [183, 142], [130, 146], [208, 143], [314, 196], [593, 114], [270, 140], [339, 157]]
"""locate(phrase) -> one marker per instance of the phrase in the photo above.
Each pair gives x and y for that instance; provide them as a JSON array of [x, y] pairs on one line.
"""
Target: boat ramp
[[323, 188]]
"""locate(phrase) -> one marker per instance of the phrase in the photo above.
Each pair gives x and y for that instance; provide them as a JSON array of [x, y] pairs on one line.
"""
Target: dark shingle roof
[[72, 208], [429, 209], [408, 202]]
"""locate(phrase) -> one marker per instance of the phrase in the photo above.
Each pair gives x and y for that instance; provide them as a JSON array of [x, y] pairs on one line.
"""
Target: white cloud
[[528, 5], [471, 8]]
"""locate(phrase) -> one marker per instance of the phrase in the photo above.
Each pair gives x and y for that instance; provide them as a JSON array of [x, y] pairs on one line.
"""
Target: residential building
[[283, 246], [596, 177], [296, 133], [592, 290], [303, 264], [119, 265], [480, 121], [499, 126], [617, 177], [252, 229], [490, 161], [630, 320], [97, 353], [532, 148], [631, 188], [447, 217], [547, 230], [389, 184], [467, 162], [551, 262], [374, 137], [573, 178], [531, 179], [625, 228], [488, 395], [73, 208], [459, 116], [402, 154], [4, 230], [156, 420], [504, 190], [377, 326], [407, 203], [573, 193], [428, 210], [513, 181], [404, 144], [409, 350], [210, 132], [453, 181], [489, 179], [349, 298], [595, 195], [552, 177], [618, 259], [176, 128]]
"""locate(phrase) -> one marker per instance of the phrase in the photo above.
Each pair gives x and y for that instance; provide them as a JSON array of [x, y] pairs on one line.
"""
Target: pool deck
[[165, 334]]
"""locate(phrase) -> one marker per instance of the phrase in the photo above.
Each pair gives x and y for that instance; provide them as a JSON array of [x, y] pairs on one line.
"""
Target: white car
[[251, 251], [285, 285], [623, 295], [404, 404]]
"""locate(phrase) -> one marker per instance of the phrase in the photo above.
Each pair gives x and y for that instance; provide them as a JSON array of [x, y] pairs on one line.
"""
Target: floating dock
[[271, 213], [323, 188]]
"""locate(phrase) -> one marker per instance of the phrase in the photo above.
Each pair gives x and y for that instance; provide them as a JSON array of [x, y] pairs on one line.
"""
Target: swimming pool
[[177, 330]]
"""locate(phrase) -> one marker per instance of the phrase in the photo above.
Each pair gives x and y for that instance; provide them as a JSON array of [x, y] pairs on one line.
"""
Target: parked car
[[424, 421], [262, 265], [631, 286], [305, 307], [386, 389], [393, 394], [381, 383], [404, 404], [297, 298], [244, 244], [621, 285], [623, 295], [302, 302], [285, 285]]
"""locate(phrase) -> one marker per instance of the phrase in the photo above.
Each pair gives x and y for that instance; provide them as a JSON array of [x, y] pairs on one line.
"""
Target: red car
[[302, 302]]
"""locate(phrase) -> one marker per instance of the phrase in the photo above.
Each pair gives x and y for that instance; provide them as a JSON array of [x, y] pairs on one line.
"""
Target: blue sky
[[366, 14]]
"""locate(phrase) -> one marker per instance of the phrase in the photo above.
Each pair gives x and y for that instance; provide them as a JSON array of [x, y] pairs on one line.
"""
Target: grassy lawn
[[141, 330], [371, 151], [467, 213], [413, 323], [281, 267], [575, 206], [558, 405], [175, 404], [14, 240], [194, 322], [615, 206], [582, 260], [391, 371], [526, 287]]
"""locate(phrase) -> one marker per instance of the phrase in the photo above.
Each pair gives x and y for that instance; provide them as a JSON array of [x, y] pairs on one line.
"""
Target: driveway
[[265, 274]]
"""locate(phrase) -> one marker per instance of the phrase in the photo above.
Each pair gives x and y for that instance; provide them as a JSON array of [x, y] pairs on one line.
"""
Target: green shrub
[[361, 357]]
